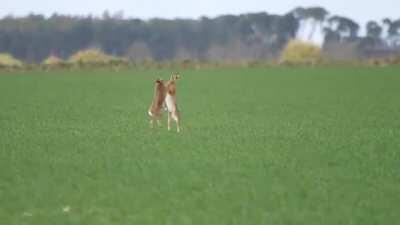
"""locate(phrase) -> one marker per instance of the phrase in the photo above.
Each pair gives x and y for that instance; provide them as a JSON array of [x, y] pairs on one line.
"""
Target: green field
[[258, 146]]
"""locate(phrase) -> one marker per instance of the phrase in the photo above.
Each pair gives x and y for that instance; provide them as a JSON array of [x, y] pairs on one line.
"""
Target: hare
[[156, 107], [171, 103]]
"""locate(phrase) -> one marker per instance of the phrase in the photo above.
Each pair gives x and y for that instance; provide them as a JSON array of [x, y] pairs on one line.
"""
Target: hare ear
[[174, 76]]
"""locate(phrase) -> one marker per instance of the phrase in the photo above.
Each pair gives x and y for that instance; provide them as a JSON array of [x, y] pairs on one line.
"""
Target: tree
[[316, 15], [345, 27], [393, 31], [374, 30], [139, 51]]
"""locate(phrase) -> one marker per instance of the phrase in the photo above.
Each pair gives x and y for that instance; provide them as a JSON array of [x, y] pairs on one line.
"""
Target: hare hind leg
[[178, 129], [176, 117], [169, 121], [151, 122]]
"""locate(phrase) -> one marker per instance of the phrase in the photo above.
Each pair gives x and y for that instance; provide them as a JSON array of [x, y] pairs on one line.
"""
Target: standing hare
[[156, 107], [170, 100]]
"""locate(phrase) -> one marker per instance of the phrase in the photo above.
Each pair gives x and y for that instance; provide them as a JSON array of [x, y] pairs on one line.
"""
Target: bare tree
[[139, 51]]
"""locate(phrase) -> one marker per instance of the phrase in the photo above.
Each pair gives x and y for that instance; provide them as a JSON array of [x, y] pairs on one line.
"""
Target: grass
[[258, 146]]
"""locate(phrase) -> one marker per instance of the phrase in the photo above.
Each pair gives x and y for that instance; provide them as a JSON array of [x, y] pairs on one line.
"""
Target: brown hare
[[156, 108]]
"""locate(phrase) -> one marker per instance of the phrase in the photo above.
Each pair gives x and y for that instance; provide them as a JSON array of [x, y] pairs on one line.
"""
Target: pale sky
[[359, 10]]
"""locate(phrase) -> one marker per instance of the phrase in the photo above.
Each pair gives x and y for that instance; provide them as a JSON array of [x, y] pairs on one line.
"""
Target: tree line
[[34, 37]]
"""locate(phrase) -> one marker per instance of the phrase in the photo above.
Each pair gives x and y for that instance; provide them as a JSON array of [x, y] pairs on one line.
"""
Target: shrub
[[395, 60], [7, 60], [299, 52], [93, 56], [377, 62], [52, 61]]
